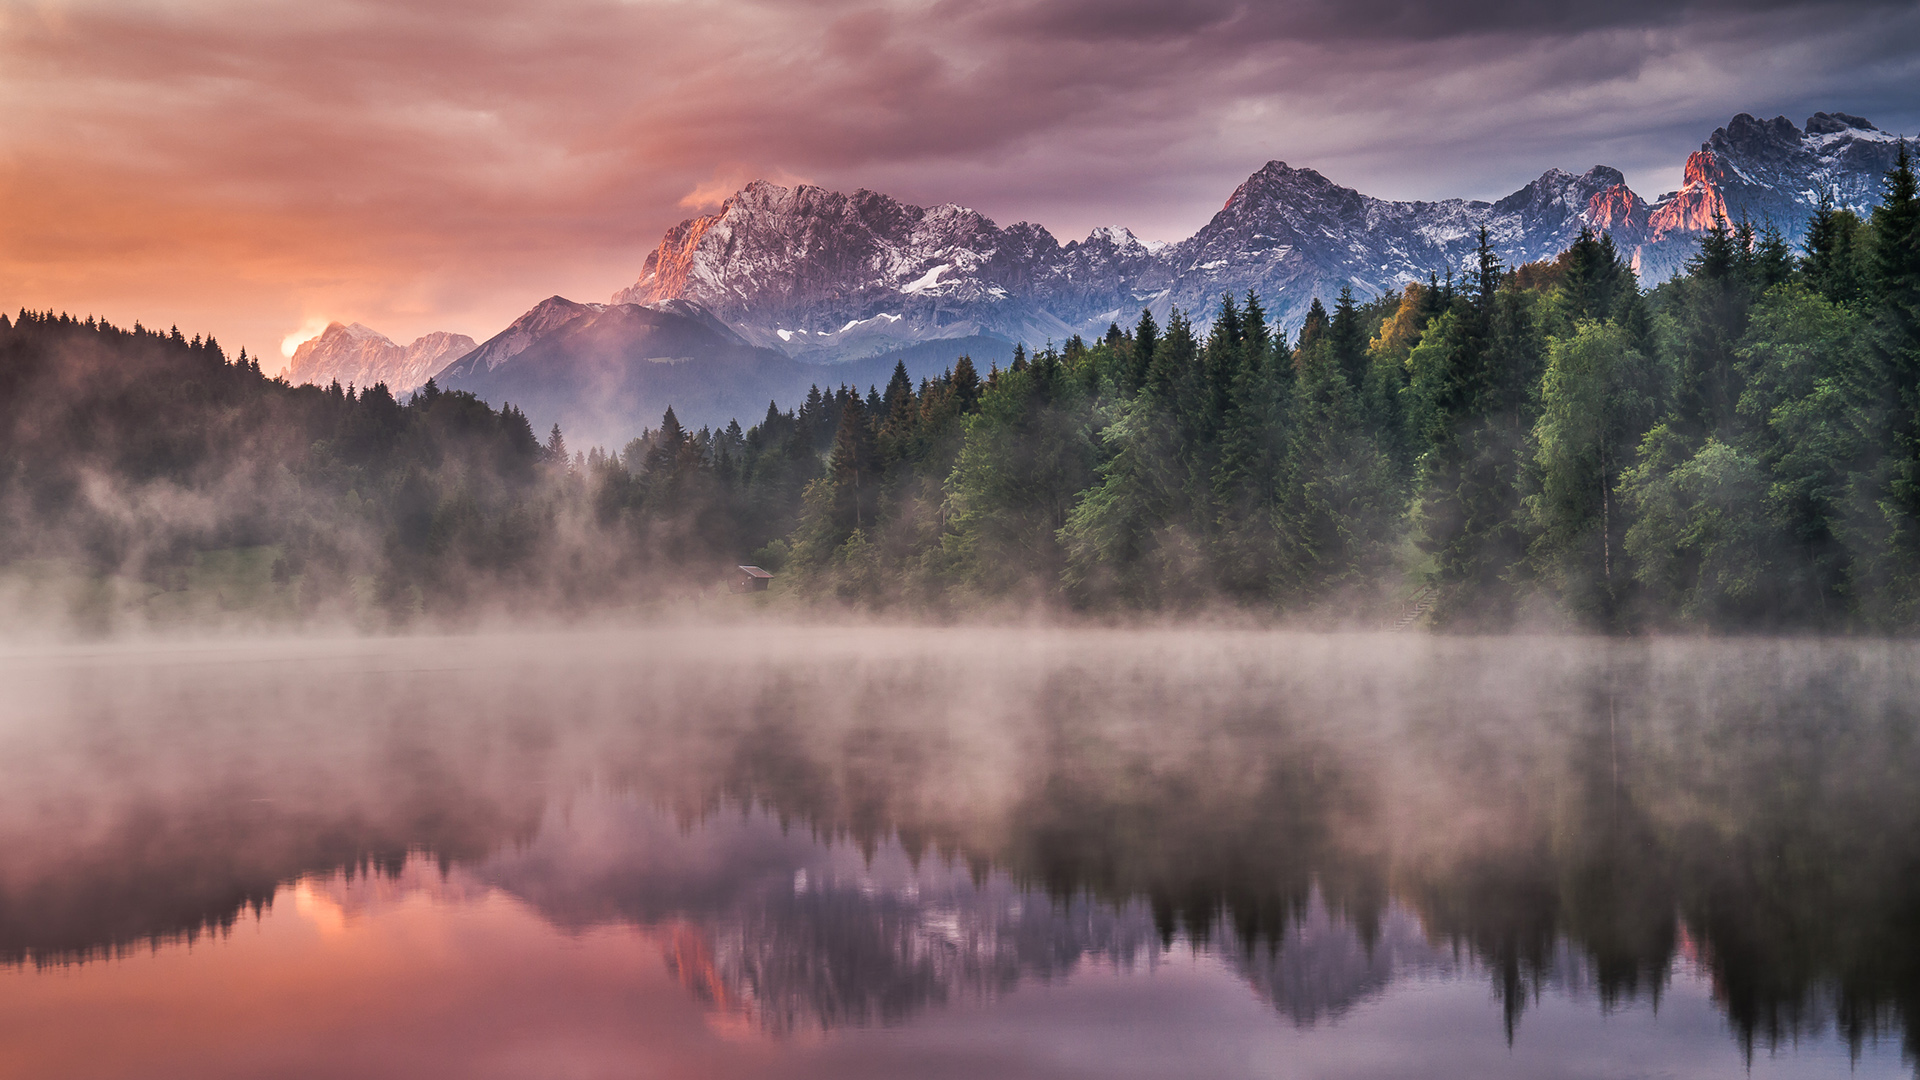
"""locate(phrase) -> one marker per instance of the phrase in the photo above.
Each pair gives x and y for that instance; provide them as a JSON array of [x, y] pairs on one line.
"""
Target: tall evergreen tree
[[1709, 309], [853, 471], [1146, 341], [1892, 569], [1830, 263], [1335, 508], [1314, 329], [1347, 340]]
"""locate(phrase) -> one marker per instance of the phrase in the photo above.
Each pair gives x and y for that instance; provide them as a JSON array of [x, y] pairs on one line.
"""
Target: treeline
[[1736, 448], [132, 453]]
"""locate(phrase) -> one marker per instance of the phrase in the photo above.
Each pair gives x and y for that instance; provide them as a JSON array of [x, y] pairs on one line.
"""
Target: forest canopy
[[1543, 445]]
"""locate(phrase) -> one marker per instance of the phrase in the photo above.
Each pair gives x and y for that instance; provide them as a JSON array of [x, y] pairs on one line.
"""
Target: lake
[[884, 852]]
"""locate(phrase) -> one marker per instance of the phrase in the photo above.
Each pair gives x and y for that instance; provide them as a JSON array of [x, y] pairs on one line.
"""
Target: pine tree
[[965, 384], [1348, 342], [1245, 482], [1146, 338], [1710, 308], [1892, 569], [1470, 384], [854, 469], [1830, 263], [1334, 509], [1313, 329], [1592, 283], [901, 412]]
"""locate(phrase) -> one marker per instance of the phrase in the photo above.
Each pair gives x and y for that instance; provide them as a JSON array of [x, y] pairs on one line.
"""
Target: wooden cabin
[[750, 579]]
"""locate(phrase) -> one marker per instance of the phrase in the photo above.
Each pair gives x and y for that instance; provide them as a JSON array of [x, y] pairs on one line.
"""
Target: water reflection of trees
[[1551, 812], [1752, 802]]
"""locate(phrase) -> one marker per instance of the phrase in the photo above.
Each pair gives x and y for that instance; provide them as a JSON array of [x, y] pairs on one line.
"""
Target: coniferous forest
[[1737, 448]]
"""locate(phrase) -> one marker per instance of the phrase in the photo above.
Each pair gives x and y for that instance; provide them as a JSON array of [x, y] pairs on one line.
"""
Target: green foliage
[[1809, 387], [1599, 396], [1026, 458], [1336, 512], [1697, 540]]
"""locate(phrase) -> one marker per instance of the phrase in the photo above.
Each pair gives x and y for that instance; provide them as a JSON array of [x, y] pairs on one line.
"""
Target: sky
[[256, 168]]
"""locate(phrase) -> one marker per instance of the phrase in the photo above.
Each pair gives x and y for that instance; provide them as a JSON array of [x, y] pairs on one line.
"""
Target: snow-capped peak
[[1122, 237]]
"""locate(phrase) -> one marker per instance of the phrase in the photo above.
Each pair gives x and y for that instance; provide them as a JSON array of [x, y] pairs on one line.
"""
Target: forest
[[1541, 446]]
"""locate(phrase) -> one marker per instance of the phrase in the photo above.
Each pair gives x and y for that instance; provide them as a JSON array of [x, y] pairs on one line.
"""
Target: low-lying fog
[[826, 830]]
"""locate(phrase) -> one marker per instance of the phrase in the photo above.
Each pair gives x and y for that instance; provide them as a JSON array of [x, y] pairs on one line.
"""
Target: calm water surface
[[932, 853]]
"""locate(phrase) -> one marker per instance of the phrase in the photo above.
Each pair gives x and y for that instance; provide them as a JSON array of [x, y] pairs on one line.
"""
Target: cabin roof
[[754, 571]]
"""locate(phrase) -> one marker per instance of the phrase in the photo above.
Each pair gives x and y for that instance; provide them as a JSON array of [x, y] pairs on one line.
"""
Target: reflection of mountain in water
[[802, 935], [1322, 966], [835, 955], [1561, 816]]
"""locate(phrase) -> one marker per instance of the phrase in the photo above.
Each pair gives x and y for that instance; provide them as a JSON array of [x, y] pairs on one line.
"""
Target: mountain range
[[354, 355], [782, 287]]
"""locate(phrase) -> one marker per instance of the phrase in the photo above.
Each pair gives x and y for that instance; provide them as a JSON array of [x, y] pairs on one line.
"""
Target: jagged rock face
[[1699, 202], [354, 355], [1289, 235], [822, 275], [819, 273], [1619, 211], [1766, 172], [1775, 172], [731, 306]]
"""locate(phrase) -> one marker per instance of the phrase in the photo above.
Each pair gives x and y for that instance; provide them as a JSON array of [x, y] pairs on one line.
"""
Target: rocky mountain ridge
[[354, 355], [822, 275]]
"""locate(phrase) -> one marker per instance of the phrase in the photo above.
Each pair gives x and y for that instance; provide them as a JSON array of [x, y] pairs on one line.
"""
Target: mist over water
[[755, 850]]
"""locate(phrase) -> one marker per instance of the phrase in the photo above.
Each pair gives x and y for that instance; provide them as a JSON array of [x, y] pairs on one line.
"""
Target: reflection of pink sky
[[414, 978]]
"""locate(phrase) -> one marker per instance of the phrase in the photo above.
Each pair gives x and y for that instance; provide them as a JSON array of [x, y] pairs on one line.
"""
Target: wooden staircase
[[1417, 607]]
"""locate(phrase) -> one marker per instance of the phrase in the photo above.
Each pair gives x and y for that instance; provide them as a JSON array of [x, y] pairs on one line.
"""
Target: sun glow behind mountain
[[308, 330]]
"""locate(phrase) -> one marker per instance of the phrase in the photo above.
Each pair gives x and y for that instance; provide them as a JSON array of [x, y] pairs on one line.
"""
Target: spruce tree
[[1348, 342], [1829, 264], [1313, 329], [854, 470], [1245, 482], [1146, 339], [965, 384], [1334, 508], [1894, 567], [1713, 300]]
